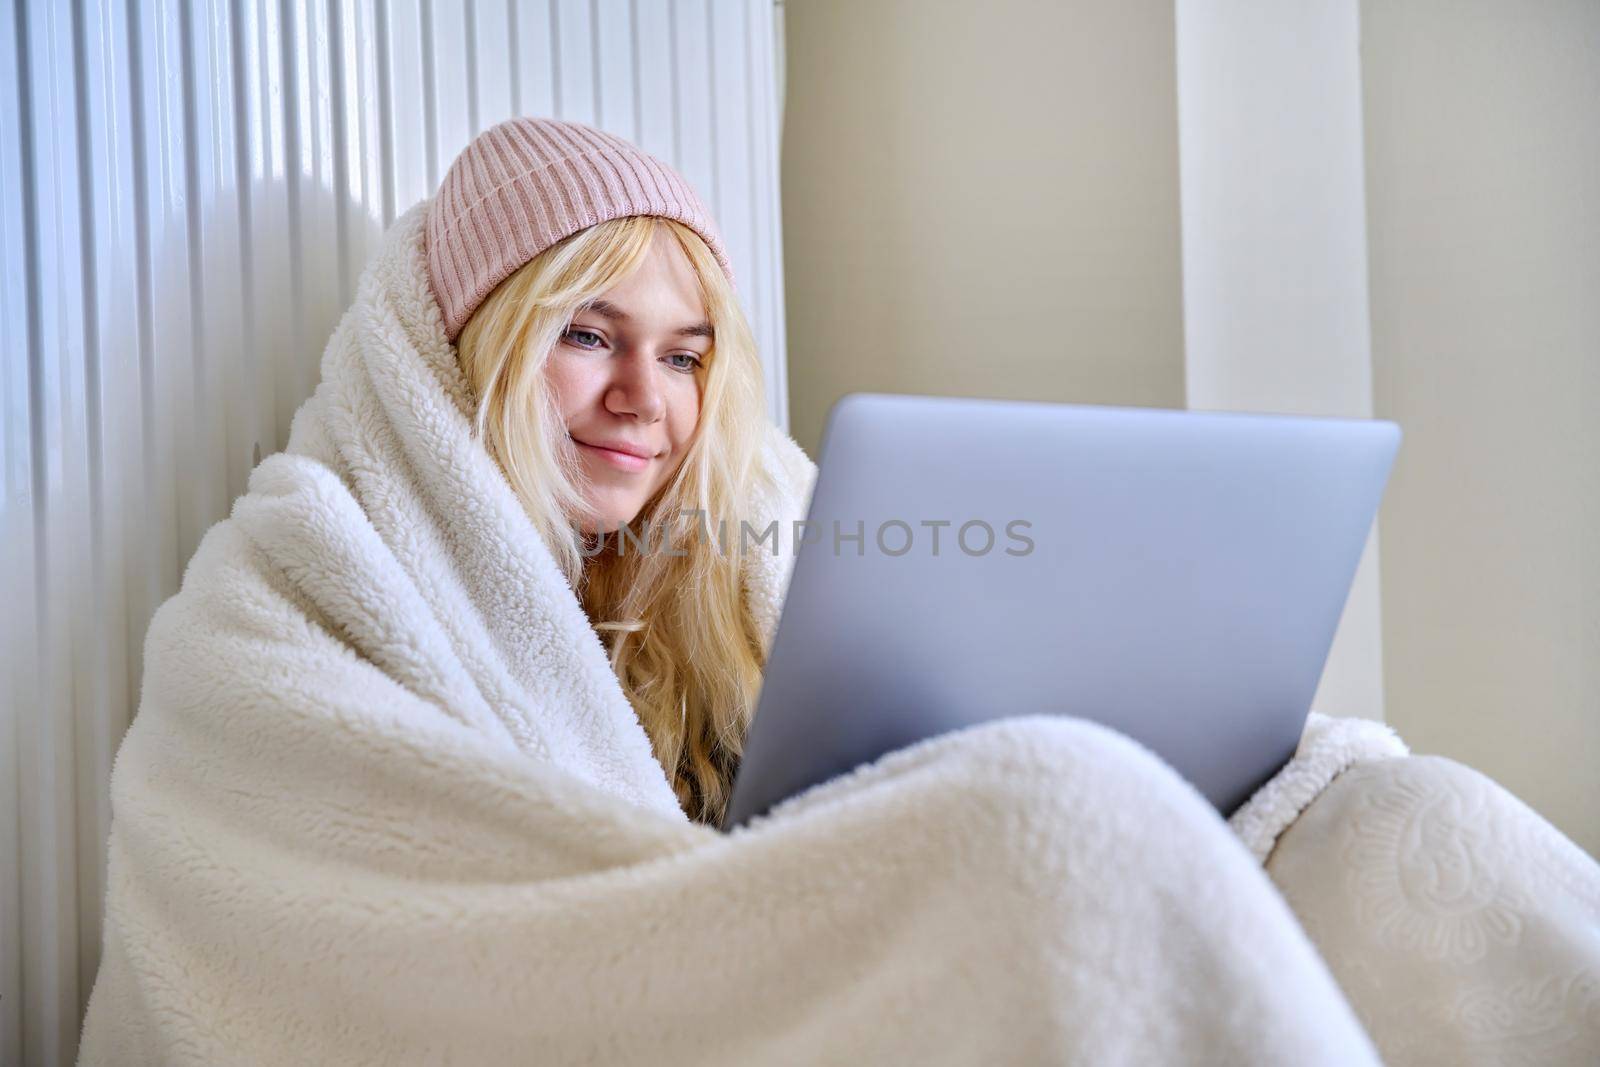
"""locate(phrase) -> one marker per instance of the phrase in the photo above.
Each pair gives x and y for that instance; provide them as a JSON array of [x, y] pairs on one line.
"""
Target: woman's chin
[[607, 523]]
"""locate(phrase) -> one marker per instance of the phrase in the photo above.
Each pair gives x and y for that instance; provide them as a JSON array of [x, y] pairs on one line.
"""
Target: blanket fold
[[1328, 747], [385, 802]]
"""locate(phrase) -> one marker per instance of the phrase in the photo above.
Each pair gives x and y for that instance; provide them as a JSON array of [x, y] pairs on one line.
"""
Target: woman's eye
[[693, 364], [583, 338]]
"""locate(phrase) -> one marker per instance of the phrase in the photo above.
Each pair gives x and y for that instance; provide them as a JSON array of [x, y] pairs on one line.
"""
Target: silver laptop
[[1174, 575]]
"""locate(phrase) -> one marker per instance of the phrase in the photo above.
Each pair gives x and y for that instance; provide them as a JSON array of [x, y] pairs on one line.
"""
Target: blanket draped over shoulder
[[384, 802]]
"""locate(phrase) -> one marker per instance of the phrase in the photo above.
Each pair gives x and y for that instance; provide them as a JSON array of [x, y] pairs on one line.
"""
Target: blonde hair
[[678, 630]]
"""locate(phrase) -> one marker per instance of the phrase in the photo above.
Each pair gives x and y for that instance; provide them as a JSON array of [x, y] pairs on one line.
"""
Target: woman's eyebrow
[[609, 310]]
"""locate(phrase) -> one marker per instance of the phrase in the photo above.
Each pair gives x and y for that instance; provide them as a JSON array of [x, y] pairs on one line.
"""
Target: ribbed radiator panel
[[188, 192]]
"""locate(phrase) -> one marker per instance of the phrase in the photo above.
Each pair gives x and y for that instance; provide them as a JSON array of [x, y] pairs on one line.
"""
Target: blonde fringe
[[677, 628]]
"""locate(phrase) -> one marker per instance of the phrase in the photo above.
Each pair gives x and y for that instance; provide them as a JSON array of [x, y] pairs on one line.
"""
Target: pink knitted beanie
[[526, 184]]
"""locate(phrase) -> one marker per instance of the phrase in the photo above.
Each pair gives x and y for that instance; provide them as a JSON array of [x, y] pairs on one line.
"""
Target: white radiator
[[188, 193]]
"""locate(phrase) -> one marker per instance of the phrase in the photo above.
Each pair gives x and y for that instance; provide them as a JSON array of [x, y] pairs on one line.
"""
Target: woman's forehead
[[662, 291]]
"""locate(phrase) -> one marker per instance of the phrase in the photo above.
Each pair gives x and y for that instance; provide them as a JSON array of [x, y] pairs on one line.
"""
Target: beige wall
[[1483, 193], [981, 199]]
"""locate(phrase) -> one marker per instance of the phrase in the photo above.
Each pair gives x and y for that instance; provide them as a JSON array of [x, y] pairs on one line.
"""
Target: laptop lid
[[1177, 576]]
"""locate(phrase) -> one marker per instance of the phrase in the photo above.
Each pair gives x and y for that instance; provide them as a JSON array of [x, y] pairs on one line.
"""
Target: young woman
[[428, 747], [620, 390]]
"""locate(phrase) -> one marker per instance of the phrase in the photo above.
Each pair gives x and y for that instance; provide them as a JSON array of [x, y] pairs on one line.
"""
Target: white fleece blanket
[[385, 803]]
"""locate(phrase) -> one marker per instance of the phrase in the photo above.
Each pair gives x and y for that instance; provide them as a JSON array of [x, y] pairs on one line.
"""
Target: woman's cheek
[[572, 383]]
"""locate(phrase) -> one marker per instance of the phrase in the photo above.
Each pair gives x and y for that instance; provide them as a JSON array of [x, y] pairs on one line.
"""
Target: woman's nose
[[635, 389]]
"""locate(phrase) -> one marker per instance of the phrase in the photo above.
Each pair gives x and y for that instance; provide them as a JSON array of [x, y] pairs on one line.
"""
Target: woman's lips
[[620, 460]]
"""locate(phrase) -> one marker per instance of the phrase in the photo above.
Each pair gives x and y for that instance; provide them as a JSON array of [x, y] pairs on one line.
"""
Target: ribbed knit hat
[[527, 183]]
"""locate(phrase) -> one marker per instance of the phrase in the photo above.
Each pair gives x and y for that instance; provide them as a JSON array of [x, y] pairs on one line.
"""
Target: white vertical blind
[[188, 192]]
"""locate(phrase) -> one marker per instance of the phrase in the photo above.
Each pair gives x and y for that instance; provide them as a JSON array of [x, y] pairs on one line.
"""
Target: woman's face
[[627, 376]]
